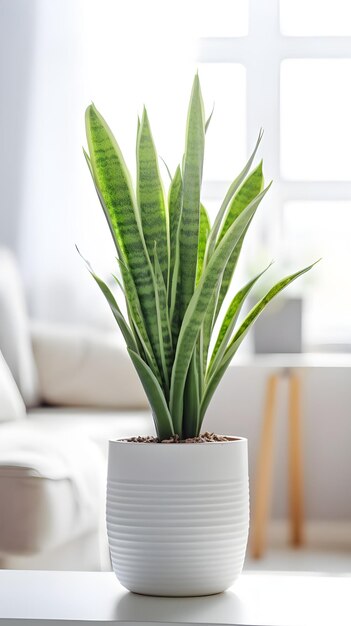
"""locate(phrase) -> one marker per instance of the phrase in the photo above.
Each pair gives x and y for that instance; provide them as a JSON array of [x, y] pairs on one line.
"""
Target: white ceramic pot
[[177, 515]]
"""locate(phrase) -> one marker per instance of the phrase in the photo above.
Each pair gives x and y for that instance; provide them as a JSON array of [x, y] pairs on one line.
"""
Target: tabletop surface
[[256, 599]]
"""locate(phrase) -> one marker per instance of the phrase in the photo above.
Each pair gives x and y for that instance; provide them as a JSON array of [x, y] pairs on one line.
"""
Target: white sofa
[[80, 389]]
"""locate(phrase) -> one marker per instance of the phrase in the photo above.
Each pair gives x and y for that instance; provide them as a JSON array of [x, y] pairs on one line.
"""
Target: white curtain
[[114, 53], [17, 37], [51, 177]]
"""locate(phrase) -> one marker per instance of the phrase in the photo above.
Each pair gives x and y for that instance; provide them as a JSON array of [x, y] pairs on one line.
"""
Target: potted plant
[[177, 504]]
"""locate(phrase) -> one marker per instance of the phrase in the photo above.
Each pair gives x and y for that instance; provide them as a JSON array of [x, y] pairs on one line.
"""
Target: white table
[[272, 599]]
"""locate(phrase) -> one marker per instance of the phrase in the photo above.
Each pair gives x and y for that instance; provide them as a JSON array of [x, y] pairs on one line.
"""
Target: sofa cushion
[[51, 489], [85, 367], [95, 425], [53, 475], [15, 343], [11, 403]]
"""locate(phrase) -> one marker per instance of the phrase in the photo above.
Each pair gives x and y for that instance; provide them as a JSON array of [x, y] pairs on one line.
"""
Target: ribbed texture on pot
[[178, 537]]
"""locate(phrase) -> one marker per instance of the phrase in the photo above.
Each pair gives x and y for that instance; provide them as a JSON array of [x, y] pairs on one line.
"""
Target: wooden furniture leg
[[264, 472], [295, 462]]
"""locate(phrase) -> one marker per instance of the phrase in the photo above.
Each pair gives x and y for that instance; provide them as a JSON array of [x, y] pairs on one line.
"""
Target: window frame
[[261, 52]]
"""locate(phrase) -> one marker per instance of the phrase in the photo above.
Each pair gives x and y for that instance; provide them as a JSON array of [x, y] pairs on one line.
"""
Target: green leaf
[[192, 178], [241, 334], [191, 400], [196, 311], [114, 186], [87, 158], [137, 138], [175, 210], [113, 180], [204, 230], [229, 195], [164, 328], [174, 311], [217, 298], [167, 168], [227, 276], [117, 313], [160, 411], [200, 361], [206, 329], [229, 321], [248, 191], [134, 308], [209, 119], [142, 350], [103, 206], [201, 353], [150, 196]]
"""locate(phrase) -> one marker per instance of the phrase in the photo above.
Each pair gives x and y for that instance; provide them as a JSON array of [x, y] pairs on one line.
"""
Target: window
[[310, 18], [297, 57]]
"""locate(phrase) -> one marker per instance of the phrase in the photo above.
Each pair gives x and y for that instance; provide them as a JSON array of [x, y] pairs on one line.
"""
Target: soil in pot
[[204, 438]]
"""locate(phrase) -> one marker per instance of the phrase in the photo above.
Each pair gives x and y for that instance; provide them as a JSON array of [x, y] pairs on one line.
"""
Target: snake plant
[[176, 268]]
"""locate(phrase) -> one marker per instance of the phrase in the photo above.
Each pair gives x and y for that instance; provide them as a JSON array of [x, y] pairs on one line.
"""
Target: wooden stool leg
[[264, 472], [295, 462]]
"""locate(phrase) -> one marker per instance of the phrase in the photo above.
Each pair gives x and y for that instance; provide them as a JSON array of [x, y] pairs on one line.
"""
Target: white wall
[[17, 37], [237, 408]]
